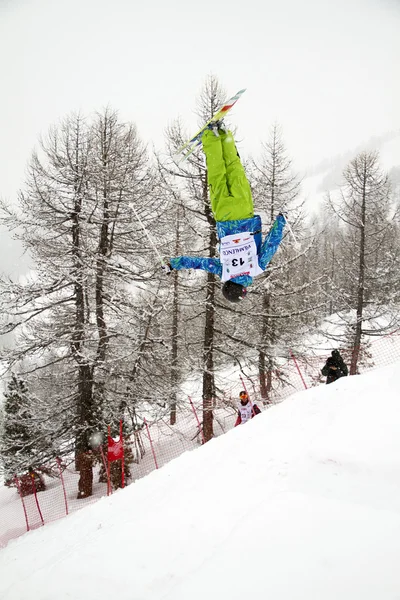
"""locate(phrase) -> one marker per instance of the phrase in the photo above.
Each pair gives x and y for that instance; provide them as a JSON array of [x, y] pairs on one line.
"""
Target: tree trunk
[[361, 287], [209, 333], [85, 467], [85, 372], [269, 385], [264, 363], [262, 377], [174, 348], [86, 425], [208, 360], [174, 351]]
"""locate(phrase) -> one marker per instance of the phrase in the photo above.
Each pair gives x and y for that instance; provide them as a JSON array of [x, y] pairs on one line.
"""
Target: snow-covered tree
[[86, 306], [196, 218], [20, 440], [284, 293], [369, 256]]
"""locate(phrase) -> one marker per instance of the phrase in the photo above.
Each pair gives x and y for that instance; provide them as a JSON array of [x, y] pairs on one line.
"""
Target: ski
[[190, 146]]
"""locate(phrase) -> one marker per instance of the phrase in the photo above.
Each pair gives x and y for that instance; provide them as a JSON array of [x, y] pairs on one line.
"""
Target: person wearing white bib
[[243, 253], [246, 410]]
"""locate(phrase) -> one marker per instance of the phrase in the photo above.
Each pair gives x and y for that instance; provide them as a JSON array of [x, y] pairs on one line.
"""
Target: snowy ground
[[170, 442], [303, 502]]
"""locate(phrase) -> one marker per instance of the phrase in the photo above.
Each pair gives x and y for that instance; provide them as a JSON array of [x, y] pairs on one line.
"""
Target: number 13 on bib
[[239, 256]]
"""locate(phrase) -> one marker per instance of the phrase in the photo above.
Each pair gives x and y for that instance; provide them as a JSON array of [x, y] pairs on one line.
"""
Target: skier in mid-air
[[243, 254]]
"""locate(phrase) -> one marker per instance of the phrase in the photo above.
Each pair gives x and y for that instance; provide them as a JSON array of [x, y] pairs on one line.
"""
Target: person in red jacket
[[246, 410]]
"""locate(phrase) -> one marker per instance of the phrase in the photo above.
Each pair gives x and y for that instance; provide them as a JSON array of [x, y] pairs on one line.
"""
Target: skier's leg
[[237, 183], [216, 176], [230, 192]]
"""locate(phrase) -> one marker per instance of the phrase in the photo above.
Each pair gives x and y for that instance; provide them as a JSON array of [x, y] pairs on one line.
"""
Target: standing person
[[243, 254], [246, 410], [335, 367]]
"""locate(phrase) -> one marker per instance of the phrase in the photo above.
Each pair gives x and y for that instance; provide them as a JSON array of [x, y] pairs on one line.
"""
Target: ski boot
[[217, 127]]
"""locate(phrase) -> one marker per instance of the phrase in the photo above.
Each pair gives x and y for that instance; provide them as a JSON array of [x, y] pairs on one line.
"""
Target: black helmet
[[234, 292], [244, 397]]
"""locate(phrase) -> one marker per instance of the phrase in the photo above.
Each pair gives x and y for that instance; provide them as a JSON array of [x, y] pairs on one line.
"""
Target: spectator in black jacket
[[335, 367]]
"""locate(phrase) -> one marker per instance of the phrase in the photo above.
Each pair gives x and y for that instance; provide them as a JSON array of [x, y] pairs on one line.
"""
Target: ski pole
[[148, 235], [253, 412], [297, 244]]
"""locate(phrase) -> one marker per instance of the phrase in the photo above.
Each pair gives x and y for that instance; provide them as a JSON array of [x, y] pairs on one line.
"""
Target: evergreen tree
[[19, 440]]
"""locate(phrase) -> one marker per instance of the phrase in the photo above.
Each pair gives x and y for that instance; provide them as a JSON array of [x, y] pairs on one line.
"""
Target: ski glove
[[166, 267]]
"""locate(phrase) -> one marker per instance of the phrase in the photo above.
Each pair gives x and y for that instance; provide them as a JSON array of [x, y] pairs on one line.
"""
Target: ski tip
[[239, 93]]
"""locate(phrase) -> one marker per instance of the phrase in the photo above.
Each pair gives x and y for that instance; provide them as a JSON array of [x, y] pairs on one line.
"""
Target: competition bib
[[238, 253], [245, 412]]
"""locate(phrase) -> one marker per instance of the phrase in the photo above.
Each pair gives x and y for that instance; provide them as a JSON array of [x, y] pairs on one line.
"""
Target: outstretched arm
[[212, 265], [271, 242]]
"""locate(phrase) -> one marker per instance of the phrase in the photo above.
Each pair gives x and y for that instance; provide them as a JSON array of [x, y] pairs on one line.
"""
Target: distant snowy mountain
[[327, 175]]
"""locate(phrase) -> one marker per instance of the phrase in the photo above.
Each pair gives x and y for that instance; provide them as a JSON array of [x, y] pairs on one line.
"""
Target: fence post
[[197, 419], [58, 460], [298, 369], [151, 443], [108, 461], [22, 500], [106, 469], [253, 386], [123, 455], [32, 474]]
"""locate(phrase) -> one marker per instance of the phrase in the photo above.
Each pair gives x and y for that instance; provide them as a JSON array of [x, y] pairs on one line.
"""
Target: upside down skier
[[243, 254]]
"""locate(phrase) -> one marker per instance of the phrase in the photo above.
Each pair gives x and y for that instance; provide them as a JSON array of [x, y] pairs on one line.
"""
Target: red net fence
[[47, 494]]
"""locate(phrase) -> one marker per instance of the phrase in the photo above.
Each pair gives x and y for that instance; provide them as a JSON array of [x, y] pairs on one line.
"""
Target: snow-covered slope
[[303, 502]]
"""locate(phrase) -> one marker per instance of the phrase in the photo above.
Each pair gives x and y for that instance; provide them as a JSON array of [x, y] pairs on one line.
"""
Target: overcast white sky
[[326, 70]]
